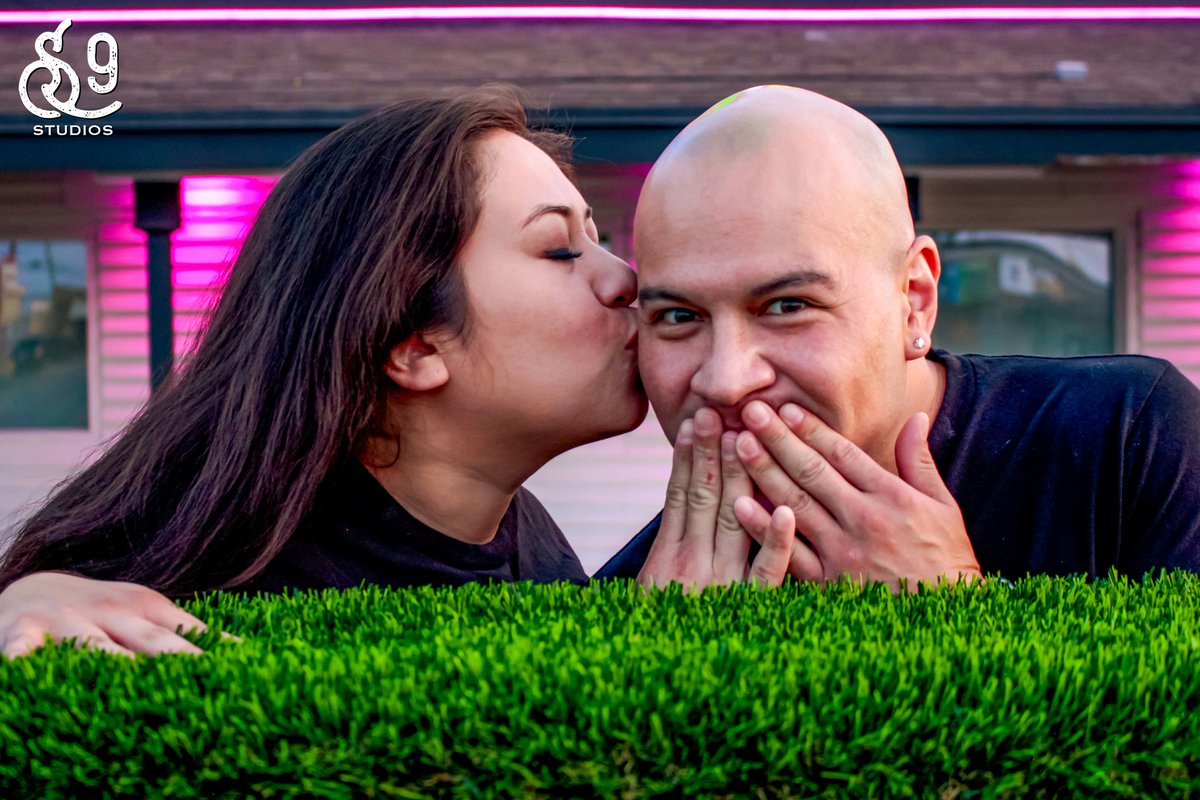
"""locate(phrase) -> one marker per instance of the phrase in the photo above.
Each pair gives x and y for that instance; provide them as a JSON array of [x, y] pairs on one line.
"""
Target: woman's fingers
[[24, 636], [28, 634], [115, 616], [162, 611], [143, 636], [93, 638]]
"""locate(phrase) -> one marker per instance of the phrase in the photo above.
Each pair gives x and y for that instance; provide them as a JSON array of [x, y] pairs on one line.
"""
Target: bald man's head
[[777, 261], [784, 148]]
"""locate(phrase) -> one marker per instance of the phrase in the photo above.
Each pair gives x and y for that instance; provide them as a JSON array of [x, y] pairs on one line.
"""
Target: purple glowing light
[[1186, 217], [1171, 265], [1173, 242], [193, 254], [123, 279], [198, 278], [603, 12], [1172, 287], [216, 213]]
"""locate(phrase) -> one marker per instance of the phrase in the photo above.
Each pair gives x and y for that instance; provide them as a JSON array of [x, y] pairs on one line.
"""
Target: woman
[[420, 318]]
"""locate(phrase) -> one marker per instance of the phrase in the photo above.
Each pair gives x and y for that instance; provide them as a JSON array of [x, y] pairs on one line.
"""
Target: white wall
[[603, 493]]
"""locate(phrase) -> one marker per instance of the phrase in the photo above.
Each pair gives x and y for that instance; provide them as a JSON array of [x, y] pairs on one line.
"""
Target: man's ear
[[923, 267], [416, 364]]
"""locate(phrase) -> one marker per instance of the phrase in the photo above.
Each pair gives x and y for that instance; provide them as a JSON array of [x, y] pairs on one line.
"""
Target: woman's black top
[[358, 532]]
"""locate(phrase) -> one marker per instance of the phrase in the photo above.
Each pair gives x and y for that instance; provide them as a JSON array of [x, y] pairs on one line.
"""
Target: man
[[787, 313]]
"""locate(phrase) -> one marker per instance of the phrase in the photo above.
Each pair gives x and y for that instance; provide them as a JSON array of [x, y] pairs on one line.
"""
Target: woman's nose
[[616, 283]]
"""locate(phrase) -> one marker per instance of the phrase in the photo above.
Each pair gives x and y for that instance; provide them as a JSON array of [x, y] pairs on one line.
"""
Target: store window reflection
[[1025, 292], [43, 334]]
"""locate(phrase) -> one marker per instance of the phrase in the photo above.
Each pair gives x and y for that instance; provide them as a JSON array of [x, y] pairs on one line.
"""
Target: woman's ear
[[416, 365]]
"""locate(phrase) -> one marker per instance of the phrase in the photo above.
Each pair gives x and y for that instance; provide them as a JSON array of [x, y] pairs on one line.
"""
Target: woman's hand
[[118, 617], [700, 541]]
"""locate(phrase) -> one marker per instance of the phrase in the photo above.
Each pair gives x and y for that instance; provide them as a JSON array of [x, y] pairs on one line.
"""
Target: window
[[1025, 292], [43, 334]]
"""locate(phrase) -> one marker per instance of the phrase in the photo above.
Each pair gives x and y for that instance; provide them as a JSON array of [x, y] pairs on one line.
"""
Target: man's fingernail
[[748, 445], [756, 413], [684, 437], [729, 445], [791, 414], [707, 423]]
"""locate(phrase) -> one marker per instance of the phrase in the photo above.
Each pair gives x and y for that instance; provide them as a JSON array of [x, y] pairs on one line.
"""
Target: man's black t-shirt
[[358, 532], [1060, 465]]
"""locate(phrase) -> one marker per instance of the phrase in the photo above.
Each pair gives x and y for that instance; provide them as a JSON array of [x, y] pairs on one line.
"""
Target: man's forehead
[[703, 282]]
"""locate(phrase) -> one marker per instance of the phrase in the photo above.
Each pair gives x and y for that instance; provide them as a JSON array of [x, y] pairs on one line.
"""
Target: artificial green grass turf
[[1053, 687]]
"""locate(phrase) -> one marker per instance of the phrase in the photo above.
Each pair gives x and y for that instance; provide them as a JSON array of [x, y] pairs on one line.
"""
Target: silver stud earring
[[919, 343]]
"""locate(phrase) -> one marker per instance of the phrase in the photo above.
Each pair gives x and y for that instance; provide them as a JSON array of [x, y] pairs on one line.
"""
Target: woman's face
[[550, 354]]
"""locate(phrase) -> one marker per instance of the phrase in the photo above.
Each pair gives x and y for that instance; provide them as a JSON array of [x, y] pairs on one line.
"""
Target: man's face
[[749, 292]]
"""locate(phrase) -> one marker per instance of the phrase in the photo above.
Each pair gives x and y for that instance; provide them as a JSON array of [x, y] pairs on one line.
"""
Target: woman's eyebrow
[[550, 208]]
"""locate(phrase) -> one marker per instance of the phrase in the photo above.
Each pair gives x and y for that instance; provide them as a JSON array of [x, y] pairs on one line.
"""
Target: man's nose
[[734, 368], [615, 282]]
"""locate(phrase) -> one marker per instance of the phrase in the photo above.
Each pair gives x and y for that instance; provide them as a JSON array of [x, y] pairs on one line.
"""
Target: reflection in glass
[[43, 334], [1005, 292]]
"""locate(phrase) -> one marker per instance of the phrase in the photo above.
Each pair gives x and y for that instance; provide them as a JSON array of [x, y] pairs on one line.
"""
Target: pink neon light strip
[[599, 12]]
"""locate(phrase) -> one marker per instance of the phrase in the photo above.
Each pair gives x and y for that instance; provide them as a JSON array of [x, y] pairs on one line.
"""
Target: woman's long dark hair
[[352, 252]]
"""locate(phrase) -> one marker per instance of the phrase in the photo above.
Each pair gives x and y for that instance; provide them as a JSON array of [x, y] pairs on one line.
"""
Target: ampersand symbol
[[57, 68]]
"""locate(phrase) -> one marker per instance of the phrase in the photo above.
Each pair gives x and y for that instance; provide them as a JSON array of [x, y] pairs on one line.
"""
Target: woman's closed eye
[[563, 254]]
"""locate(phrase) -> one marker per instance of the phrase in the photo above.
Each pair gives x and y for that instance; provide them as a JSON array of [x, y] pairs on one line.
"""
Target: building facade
[[1056, 161]]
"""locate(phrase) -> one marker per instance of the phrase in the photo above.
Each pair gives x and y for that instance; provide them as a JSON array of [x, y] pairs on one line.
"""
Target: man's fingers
[[914, 461], [674, 517], [143, 636], [803, 564], [808, 468], [782, 490], [704, 493], [731, 549], [854, 465], [771, 564]]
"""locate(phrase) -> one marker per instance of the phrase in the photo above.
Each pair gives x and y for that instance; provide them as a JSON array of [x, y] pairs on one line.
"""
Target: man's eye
[[563, 254], [786, 305], [675, 316]]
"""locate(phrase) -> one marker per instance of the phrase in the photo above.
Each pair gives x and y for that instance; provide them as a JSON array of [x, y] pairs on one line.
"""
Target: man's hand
[[700, 541], [119, 617], [858, 518]]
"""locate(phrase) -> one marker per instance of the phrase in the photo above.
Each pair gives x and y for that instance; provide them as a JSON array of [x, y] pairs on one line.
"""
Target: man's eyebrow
[[792, 280], [550, 208], [652, 293]]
